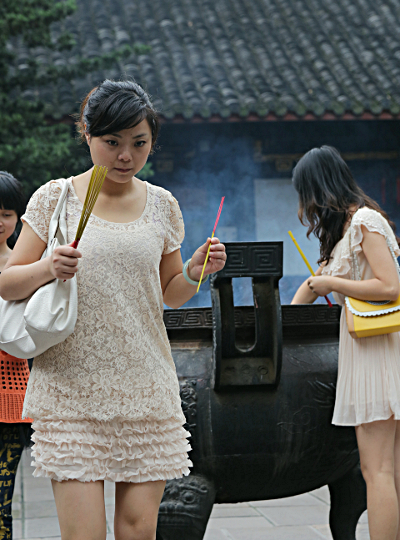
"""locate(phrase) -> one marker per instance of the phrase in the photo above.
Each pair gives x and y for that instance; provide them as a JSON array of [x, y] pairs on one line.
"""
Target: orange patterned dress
[[14, 374]]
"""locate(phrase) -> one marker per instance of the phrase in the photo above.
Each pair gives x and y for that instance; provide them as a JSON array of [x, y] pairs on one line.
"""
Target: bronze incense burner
[[258, 390]]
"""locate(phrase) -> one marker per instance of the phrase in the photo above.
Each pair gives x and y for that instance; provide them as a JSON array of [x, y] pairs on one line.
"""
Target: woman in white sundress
[[346, 221], [105, 402]]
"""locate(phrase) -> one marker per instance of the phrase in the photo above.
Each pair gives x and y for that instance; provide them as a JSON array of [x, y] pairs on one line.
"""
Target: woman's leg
[[397, 468], [80, 509], [136, 510], [10, 454], [376, 442]]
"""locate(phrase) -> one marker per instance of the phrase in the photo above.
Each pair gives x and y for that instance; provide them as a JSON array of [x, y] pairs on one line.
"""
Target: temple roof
[[262, 59]]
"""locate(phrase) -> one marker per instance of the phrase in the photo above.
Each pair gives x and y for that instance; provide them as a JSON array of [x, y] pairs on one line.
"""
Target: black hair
[[328, 195], [12, 198], [116, 105]]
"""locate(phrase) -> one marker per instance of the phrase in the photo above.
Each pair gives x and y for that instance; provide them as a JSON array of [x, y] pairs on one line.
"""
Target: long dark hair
[[12, 198], [116, 105], [328, 194]]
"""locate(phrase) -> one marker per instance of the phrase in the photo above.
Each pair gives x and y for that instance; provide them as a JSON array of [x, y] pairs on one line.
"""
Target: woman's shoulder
[[165, 202], [341, 256], [161, 192], [170, 215], [50, 190], [369, 217], [41, 206], [375, 222]]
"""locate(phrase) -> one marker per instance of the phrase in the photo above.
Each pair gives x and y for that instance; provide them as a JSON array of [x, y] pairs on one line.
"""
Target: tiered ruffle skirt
[[118, 451]]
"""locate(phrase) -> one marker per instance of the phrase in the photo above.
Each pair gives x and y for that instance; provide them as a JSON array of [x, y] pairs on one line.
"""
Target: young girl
[[346, 221], [14, 432], [105, 402]]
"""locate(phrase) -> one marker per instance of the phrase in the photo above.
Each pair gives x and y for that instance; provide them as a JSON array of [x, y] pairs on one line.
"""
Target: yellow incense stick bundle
[[96, 182]]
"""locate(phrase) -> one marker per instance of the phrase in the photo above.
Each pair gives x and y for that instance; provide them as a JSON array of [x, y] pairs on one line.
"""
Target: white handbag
[[31, 326]]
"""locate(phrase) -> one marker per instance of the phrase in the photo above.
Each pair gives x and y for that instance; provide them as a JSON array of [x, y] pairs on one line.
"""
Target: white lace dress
[[105, 402], [368, 385]]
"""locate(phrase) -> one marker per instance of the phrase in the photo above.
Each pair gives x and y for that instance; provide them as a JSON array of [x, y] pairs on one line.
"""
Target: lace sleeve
[[174, 227], [41, 207], [374, 222]]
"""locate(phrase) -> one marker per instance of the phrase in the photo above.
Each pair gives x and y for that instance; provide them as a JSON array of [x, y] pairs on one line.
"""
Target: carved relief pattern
[[245, 316], [186, 490], [302, 421], [255, 259], [188, 318], [324, 393], [189, 405], [186, 505], [319, 314]]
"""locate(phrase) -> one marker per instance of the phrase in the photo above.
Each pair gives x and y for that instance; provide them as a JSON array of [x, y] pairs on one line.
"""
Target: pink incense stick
[[212, 236]]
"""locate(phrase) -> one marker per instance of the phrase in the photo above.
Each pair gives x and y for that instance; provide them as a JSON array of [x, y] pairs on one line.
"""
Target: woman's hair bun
[[116, 105]]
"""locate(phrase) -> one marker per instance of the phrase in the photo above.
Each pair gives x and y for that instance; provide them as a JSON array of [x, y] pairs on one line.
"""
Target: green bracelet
[[185, 274]]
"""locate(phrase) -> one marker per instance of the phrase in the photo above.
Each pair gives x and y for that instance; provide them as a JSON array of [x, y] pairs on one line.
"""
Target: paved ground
[[304, 517]]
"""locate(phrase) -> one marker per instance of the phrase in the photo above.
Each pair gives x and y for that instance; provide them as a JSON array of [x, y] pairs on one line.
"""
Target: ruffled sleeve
[[340, 263], [41, 207], [374, 222], [174, 227]]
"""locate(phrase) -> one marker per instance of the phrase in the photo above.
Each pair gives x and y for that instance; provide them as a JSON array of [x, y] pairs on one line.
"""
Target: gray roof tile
[[241, 57]]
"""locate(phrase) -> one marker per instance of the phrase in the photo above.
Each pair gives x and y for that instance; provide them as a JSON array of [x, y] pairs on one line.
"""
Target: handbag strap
[[355, 267], [61, 207]]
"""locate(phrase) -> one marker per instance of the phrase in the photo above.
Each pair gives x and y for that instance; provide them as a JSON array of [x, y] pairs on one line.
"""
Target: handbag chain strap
[[355, 267]]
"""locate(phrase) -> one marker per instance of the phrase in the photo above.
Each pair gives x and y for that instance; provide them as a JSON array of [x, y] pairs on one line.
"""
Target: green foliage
[[147, 172], [31, 147], [31, 19]]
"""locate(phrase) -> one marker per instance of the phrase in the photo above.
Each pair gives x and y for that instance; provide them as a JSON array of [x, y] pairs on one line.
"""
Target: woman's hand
[[320, 285], [215, 263], [176, 290], [63, 262]]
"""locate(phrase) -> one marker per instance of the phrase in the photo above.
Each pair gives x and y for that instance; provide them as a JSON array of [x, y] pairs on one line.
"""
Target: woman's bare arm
[[25, 272], [176, 290], [385, 284], [304, 294]]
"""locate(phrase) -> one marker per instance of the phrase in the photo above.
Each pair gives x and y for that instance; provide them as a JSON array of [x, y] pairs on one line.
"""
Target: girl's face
[[124, 153], [8, 222]]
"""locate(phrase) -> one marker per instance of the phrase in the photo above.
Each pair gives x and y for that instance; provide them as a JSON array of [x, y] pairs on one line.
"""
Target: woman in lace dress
[[346, 221], [105, 402]]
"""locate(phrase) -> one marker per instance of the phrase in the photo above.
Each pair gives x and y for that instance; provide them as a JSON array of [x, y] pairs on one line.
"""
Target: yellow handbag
[[366, 319], [371, 318]]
